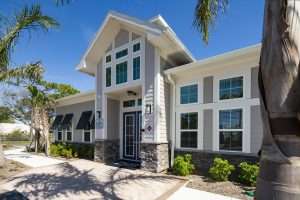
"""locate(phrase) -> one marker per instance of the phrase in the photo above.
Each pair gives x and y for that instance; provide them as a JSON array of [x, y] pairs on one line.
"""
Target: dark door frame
[[136, 142]]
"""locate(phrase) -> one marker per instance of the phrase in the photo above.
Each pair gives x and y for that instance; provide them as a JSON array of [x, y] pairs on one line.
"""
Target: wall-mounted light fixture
[[131, 93], [148, 109]]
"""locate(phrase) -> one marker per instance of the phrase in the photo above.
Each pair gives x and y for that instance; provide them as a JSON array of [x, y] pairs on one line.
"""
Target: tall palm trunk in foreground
[[279, 82]]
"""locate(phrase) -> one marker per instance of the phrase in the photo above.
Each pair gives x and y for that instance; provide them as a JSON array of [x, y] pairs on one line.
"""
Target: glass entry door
[[131, 135]]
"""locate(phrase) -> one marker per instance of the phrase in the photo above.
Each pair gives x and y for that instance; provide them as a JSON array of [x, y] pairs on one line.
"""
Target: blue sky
[[60, 50]]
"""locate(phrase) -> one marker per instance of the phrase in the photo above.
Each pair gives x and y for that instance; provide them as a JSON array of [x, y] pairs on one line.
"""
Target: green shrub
[[71, 150], [17, 135], [221, 169], [183, 165], [248, 173]]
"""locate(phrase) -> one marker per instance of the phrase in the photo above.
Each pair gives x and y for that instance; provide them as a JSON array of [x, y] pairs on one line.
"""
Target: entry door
[[131, 135]]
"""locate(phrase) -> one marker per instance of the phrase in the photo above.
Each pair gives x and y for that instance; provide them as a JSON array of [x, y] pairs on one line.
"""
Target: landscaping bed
[[226, 188], [10, 169]]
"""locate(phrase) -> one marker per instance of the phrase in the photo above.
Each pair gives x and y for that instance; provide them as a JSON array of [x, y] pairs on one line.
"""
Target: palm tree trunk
[[279, 80]]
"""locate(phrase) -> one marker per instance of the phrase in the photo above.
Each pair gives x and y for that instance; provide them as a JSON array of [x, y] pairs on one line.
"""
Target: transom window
[[121, 72], [122, 53], [108, 76], [189, 94], [136, 47], [129, 103], [189, 130], [87, 136], [136, 68], [231, 88], [231, 129], [108, 59]]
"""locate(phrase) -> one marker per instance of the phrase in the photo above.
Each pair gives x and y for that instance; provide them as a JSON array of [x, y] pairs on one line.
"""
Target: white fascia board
[[76, 98], [236, 54], [122, 18]]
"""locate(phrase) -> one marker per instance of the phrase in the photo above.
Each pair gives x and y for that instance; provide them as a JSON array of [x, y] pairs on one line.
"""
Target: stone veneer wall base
[[154, 157], [106, 151]]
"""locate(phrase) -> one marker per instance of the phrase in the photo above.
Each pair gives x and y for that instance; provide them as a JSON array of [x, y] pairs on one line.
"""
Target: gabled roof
[[157, 31]]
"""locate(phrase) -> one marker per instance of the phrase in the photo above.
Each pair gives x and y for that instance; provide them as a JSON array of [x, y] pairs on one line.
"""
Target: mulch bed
[[11, 168], [226, 188]]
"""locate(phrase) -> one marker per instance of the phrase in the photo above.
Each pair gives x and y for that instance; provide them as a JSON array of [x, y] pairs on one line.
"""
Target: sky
[[61, 49]]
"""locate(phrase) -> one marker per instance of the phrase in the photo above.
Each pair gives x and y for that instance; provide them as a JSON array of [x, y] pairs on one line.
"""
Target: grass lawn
[[11, 144]]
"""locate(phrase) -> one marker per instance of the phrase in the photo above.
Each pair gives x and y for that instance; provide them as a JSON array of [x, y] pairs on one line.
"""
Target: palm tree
[[27, 19], [279, 84]]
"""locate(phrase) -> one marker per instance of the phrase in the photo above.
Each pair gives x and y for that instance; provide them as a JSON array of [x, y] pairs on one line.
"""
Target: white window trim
[[199, 92], [245, 129], [66, 134], [229, 130], [62, 135], [199, 130], [246, 74], [90, 131]]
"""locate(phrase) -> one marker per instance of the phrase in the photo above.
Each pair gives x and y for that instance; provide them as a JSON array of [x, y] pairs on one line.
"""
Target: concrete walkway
[[193, 194], [28, 159], [82, 179]]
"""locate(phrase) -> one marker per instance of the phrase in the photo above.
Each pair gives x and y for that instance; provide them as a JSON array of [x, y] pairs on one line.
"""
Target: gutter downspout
[[173, 117]]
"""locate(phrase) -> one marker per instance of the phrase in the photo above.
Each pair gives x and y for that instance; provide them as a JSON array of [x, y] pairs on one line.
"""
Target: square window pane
[[231, 119], [189, 121], [231, 88], [188, 139], [136, 47], [231, 140], [189, 94]]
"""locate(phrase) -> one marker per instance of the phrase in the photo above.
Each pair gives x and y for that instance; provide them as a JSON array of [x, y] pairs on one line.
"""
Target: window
[[139, 102], [130, 103], [121, 73], [108, 59], [122, 53], [231, 88], [189, 94], [189, 130], [108, 76], [87, 136], [136, 68], [230, 129], [136, 47], [69, 135], [59, 136]]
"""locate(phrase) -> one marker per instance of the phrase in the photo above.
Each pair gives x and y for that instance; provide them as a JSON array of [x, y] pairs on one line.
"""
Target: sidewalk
[[193, 194], [28, 159]]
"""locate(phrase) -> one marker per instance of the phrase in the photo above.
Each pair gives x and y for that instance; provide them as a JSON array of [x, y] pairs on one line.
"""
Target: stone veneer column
[[154, 156], [106, 151]]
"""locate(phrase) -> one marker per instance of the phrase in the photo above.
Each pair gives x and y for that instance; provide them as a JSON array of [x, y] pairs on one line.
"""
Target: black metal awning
[[84, 121], [57, 122], [67, 121], [93, 122]]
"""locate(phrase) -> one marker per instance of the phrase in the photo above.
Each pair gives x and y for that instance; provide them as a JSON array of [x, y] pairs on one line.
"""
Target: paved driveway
[[82, 179], [28, 159]]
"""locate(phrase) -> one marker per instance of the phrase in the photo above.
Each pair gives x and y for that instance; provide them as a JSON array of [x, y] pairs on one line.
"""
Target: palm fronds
[[29, 18], [31, 72], [206, 12]]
